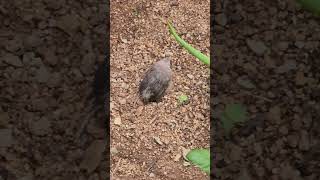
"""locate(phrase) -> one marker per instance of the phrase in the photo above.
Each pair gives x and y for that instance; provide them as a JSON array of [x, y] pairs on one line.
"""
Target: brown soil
[[48, 51], [270, 49], [147, 140]]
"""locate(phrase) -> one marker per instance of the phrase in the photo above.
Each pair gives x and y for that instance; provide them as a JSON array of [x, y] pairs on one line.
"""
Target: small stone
[[12, 60], [151, 175], [287, 66], [122, 101], [117, 120], [157, 140], [177, 157], [245, 83], [186, 163], [190, 76], [174, 3], [221, 19], [13, 45], [257, 47], [124, 40], [68, 23], [114, 151]]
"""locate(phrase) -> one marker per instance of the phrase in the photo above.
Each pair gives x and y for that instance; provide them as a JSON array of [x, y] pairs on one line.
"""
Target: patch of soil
[[269, 50], [48, 52], [147, 140]]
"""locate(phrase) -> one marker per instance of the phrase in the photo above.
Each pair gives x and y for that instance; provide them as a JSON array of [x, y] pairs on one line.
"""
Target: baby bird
[[155, 82]]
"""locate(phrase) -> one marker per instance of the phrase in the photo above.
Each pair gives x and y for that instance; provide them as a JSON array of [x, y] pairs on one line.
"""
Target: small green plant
[[199, 55], [183, 99], [311, 5], [233, 114], [200, 158]]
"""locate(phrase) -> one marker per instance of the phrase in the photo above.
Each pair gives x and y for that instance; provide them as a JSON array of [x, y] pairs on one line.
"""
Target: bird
[[155, 81]]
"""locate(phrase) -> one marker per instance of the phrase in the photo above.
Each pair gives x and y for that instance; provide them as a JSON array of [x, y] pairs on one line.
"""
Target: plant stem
[[203, 58]]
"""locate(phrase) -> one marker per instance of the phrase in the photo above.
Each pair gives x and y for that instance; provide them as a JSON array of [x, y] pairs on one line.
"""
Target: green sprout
[[203, 58], [183, 99]]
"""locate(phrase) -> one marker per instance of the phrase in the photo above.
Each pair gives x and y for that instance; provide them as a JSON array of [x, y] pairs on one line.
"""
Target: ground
[[267, 58], [48, 52], [147, 140]]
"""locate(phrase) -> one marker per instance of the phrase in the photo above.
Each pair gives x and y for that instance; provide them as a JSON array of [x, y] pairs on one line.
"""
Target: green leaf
[[203, 58], [236, 112], [200, 158], [183, 99], [311, 5], [227, 124]]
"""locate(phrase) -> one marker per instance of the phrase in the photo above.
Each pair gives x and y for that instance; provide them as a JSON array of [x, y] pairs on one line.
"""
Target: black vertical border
[[107, 98], [212, 8]]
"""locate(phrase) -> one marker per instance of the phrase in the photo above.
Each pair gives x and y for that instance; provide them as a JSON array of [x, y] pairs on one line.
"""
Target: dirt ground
[[147, 140], [48, 53], [270, 50]]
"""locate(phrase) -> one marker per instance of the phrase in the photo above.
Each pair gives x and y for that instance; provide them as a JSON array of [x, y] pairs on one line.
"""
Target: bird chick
[[156, 81]]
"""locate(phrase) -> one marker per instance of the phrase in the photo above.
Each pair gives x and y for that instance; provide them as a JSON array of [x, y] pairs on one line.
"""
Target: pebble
[[157, 140], [117, 120], [12, 60], [190, 76], [68, 23], [13, 45], [287, 66], [174, 3], [257, 47], [245, 83]]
